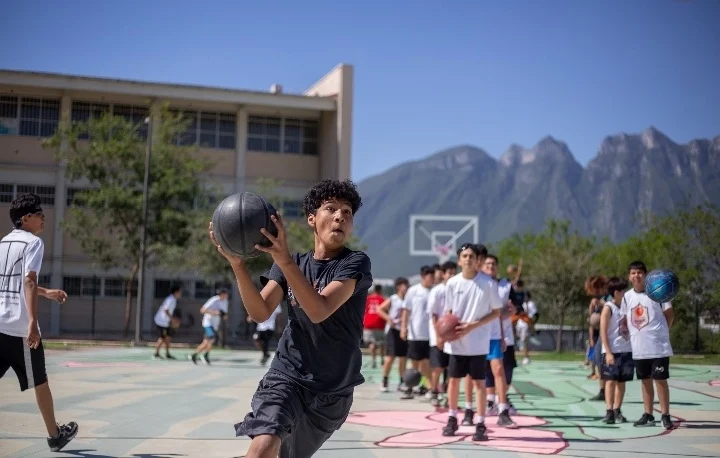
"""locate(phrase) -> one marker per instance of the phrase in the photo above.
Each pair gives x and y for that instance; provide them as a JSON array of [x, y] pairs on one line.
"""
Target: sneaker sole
[[57, 449]]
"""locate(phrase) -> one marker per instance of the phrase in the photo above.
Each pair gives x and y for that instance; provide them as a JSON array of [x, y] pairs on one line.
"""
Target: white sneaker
[[526, 361], [384, 389], [512, 410], [492, 411]]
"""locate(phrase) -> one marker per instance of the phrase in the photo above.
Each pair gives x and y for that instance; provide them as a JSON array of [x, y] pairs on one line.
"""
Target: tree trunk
[[559, 334], [128, 298]]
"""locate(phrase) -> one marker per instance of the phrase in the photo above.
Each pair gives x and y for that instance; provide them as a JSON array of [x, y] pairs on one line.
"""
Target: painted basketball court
[[130, 406]]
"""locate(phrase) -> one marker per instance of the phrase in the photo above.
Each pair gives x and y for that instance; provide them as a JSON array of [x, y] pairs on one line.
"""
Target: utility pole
[[143, 235]]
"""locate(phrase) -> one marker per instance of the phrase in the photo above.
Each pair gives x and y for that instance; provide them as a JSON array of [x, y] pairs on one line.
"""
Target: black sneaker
[[434, 400], [193, 358], [66, 433], [505, 421], [169, 356], [667, 421], [451, 427], [480, 433], [645, 420], [468, 418], [600, 396], [619, 417], [609, 418]]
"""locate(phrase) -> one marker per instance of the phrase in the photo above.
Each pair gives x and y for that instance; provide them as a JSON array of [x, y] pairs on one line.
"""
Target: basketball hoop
[[442, 252]]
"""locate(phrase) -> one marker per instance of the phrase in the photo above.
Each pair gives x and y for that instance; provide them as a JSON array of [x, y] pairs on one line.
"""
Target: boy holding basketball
[[472, 296], [306, 394], [649, 324]]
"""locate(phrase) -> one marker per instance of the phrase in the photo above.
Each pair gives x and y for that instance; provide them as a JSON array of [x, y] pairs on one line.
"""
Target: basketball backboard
[[440, 235]]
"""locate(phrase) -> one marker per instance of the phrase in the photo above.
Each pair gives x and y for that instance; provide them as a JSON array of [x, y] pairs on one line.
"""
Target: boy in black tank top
[[307, 393]]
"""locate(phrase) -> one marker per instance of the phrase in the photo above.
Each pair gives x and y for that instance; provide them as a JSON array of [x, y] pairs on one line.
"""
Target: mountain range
[[520, 191]]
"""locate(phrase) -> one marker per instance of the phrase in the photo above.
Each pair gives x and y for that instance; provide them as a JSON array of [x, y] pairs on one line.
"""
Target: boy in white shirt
[[395, 347], [21, 254], [473, 298], [163, 318], [265, 332], [649, 324], [617, 363], [435, 308], [415, 325], [214, 311]]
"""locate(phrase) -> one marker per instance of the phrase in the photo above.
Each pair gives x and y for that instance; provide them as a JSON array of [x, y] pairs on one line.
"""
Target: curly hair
[[24, 204], [325, 190]]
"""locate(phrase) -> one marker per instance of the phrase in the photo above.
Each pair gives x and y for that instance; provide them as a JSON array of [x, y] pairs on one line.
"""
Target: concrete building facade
[[297, 139]]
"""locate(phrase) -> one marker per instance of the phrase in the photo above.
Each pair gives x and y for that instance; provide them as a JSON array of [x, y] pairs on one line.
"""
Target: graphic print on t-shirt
[[640, 317]]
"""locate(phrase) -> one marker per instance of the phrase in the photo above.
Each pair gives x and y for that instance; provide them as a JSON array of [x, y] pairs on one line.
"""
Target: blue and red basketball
[[662, 285]]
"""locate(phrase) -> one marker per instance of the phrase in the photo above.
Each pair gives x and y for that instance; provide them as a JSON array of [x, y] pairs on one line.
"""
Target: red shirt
[[372, 320]]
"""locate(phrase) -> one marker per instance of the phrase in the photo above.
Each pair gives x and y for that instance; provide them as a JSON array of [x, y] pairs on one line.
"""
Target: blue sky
[[428, 74]]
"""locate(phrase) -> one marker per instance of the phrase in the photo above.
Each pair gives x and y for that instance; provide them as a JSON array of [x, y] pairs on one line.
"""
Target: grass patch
[[705, 360]]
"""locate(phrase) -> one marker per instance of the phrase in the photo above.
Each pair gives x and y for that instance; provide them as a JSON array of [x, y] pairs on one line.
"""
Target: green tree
[[107, 217]]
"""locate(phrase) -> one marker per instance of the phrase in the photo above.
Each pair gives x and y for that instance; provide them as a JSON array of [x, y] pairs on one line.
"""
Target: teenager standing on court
[[21, 254], [649, 323], [306, 394], [374, 324], [395, 347], [617, 366], [415, 325], [473, 298], [435, 309]]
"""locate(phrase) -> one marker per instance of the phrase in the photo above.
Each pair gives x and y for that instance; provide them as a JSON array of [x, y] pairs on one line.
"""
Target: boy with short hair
[[649, 323], [435, 308], [214, 310], [21, 254], [307, 393], [395, 347], [617, 363], [415, 325], [471, 296]]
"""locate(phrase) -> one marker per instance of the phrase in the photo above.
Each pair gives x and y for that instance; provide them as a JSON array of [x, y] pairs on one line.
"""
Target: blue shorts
[[495, 350], [210, 332]]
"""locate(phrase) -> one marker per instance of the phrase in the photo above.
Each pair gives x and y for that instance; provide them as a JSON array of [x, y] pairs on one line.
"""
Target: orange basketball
[[446, 327]]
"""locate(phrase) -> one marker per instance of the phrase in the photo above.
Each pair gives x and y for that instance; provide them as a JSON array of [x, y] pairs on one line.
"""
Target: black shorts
[[418, 349], [302, 419], [394, 345], [164, 332], [509, 360], [438, 358], [656, 368], [622, 371], [28, 363], [460, 366], [264, 336]]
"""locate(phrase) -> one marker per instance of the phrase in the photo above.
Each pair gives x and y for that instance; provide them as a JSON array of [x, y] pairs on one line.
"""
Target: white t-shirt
[[20, 253], [435, 306], [649, 331], [169, 304], [416, 304], [269, 324], [214, 303], [395, 312], [509, 331], [531, 309], [503, 286], [470, 300], [618, 333]]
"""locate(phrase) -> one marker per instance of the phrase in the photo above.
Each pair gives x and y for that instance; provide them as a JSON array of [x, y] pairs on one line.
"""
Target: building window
[[45, 280], [39, 117], [208, 129], [134, 114], [84, 111], [72, 285], [292, 209], [286, 135], [9, 191], [114, 287]]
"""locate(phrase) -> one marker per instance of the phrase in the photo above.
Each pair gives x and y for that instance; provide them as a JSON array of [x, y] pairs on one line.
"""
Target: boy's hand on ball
[[228, 256], [278, 248]]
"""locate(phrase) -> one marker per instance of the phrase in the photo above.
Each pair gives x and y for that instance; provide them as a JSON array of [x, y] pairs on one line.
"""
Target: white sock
[[490, 397], [480, 419], [468, 406], [502, 407], [497, 399], [453, 413]]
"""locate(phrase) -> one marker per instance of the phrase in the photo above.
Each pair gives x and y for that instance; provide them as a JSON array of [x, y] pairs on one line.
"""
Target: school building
[[296, 138]]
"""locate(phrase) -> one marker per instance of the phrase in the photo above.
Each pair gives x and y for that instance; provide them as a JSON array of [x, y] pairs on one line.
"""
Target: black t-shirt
[[324, 357], [518, 299]]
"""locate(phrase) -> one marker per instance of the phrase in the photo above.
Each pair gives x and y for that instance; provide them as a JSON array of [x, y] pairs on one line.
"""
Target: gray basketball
[[237, 222]]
